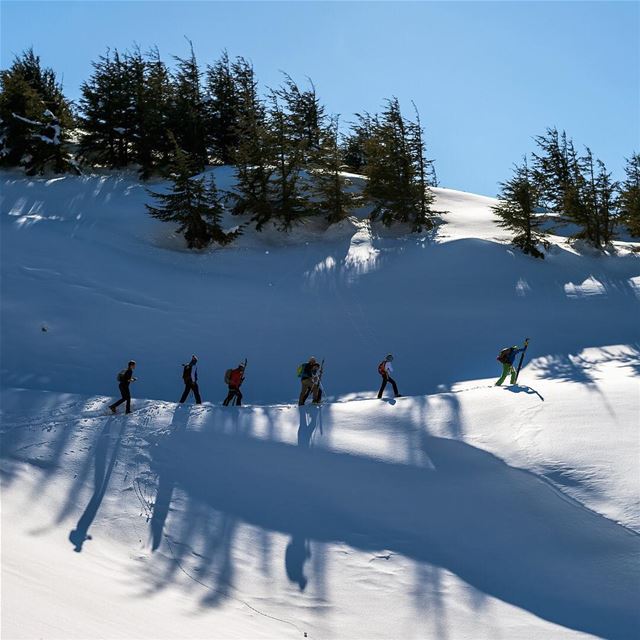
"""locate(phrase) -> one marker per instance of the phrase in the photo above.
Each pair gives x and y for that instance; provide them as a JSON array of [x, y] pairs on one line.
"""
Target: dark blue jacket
[[512, 356]]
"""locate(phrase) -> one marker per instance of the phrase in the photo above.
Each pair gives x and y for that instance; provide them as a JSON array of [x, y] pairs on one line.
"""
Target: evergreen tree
[[518, 202], [629, 200], [395, 186], [188, 117], [255, 156], [598, 213], [286, 189], [194, 204], [108, 112], [330, 187], [222, 110], [35, 118], [425, 176], [354, 146], [306, 115]]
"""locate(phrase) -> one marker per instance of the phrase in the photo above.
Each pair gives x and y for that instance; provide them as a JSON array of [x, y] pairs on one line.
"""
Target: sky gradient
[[486, 76]]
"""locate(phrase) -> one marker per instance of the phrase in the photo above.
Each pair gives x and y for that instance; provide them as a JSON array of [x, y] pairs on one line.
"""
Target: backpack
[[227, 376], [300, 369], [120, 376], [382, 368], [503, 356]]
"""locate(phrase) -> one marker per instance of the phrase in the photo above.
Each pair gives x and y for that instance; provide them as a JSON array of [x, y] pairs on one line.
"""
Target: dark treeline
[[289, 154], [576, 188]]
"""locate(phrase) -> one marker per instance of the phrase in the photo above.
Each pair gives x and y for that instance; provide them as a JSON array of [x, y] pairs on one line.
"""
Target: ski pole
[[526, 346]]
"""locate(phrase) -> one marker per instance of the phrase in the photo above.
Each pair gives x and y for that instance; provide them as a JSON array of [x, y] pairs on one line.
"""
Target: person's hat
[[132, 362], [194, 357], [312, 359], [241, 365], [389, 357]]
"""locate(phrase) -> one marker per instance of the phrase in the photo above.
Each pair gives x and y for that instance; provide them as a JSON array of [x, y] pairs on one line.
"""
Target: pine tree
[[35, 118], [188, 117], [222, 110], [425, 176], [396, 170], [286, 189], [255, 156], [330, 188], [354, 145], [108, 113], [518, 202], [193, 203], [629, 200]]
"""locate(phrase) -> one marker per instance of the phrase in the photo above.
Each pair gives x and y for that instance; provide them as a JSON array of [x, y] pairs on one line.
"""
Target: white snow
[[459, 511]]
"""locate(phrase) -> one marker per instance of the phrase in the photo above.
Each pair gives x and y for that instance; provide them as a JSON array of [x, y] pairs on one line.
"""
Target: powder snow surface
[[458, 511]]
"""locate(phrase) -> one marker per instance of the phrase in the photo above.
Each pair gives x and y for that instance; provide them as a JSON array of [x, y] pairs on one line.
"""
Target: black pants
[[234, 392], [126, 397], [385, 379], [191, 386], [308, 386]]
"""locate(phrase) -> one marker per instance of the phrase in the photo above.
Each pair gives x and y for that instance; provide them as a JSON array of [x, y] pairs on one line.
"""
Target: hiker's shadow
[[295, 557], [307, 425], [516, 388], [102, 475]]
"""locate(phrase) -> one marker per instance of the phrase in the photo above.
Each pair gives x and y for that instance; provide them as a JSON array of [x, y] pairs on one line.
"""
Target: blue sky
[[486, 76]]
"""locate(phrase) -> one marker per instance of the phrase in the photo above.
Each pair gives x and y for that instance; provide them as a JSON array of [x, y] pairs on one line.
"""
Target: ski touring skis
[[526, 345]]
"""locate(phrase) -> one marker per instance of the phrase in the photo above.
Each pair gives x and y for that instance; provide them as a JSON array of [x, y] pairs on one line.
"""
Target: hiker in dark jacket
[[385, 370], [125, 378], [310, 382], [507, 357], [190, 377], [234, 378]]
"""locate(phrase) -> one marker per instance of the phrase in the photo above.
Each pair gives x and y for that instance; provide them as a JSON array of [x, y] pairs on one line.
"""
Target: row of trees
[[290, 155], [576, 189]]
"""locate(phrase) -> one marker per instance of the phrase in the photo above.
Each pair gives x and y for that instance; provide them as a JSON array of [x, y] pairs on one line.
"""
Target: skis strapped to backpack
[[526, 345]]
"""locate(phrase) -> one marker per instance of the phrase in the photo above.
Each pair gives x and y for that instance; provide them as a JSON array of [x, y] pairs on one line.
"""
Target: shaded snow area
[[459, 511]]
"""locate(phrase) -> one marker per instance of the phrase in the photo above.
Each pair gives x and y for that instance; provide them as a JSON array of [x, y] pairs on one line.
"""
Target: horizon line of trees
[[289, 154]]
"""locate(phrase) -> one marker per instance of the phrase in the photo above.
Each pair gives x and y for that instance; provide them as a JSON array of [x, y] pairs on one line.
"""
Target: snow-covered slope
[[461, 511]]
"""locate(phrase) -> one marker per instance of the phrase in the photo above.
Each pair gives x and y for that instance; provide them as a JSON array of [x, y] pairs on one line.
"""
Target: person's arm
[[388, 368]]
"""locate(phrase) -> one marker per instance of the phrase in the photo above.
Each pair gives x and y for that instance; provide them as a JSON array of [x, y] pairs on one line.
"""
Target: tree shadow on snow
[[102, 475], [505, 531]]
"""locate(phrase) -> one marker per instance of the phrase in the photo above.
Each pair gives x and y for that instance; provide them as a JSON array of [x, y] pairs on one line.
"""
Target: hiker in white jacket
[[385, 370]]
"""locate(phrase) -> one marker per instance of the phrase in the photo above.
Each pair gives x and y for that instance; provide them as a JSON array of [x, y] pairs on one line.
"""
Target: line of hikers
[[310, 374]]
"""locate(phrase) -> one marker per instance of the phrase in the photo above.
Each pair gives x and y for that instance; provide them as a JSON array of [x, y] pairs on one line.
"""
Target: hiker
[[309, 373], [125, 378], [190, 378], [234, 378], [506, 357], [385, 369]]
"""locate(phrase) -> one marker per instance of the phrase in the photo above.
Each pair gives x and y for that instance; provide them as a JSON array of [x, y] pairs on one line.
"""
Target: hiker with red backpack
[[507, 357], [385, 370], [190, 379], [234, 378]]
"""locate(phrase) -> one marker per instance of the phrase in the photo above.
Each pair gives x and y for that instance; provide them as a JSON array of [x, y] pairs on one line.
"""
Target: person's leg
[[123, 397], [382, 386], [196, 393], [505, 371], [185, 394], [317, 393], [128, 399], [396, 393], [238, 397], [229, 397], [305, 390], [513, 374]]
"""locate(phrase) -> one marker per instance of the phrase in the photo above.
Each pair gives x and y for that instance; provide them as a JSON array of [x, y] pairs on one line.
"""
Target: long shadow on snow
[[102, 475], [501, 529]]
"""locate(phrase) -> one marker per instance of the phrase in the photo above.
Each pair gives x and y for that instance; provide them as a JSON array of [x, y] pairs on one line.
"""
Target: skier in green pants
[[506, 357]]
